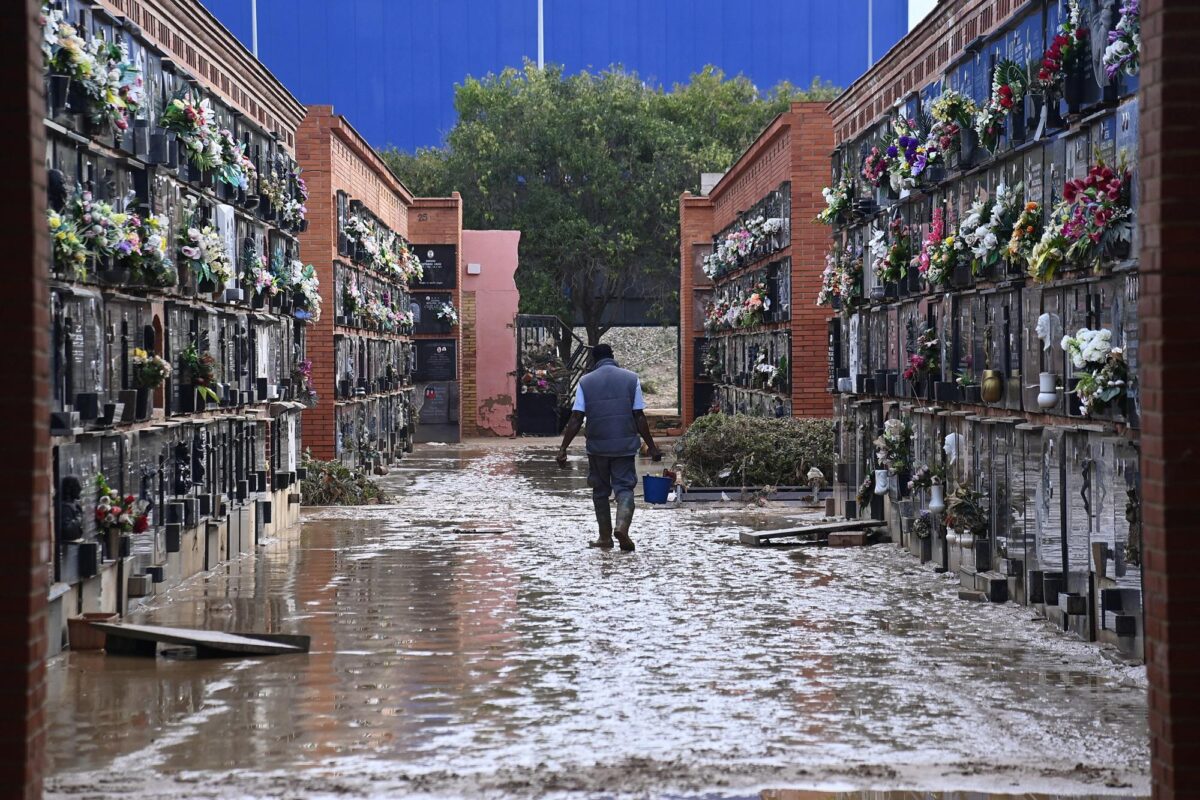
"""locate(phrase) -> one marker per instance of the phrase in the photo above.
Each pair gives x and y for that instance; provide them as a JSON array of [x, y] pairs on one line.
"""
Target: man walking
[[611, 399]]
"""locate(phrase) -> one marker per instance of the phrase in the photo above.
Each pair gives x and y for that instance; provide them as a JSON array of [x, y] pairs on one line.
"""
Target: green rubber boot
[[604, 520], [624, 520]]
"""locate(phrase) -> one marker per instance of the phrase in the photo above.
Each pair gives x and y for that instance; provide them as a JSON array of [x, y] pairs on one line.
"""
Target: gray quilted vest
[[608, 396]]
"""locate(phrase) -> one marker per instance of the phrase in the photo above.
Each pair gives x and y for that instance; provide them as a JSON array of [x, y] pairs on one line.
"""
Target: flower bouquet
[[875, 167], [987, 224], [938, 253], [1103, 371], [1009, 82], [302, 383], [837, 202], [447, 313], [1093, 219], [1124, 42], [925, 360], [967, 512], [1065, 55], [116, 514], [1026, 232], [192, 121], [200, 369], [893, 448], [70, 251], [922, 526], [149, 371]]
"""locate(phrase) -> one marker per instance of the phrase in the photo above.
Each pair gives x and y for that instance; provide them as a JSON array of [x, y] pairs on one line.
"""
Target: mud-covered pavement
[[466, 643]]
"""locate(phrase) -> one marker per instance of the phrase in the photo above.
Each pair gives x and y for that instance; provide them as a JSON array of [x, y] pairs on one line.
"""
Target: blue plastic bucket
[[656, 488]]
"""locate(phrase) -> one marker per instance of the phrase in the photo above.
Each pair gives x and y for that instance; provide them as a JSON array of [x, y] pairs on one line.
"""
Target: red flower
[[1006, 102], [141, 524], [1060, 40], [1006, 90], [1043, 75], [1069, 192], [99, 515], [129, 499], [1081, 34]]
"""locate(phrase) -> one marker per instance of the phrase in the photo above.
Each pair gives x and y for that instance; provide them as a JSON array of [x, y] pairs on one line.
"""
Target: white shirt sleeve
[[579, 405], [639, 402]]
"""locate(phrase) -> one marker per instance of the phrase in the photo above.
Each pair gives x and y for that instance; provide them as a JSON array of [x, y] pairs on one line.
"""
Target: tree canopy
[[589, 167]]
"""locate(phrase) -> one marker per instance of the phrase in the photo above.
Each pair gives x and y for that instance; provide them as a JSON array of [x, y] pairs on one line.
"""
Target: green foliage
[[332, 483], [739, 450], [589, 167]]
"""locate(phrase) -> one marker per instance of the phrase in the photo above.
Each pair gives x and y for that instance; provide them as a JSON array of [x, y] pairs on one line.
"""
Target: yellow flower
[[139, 352]]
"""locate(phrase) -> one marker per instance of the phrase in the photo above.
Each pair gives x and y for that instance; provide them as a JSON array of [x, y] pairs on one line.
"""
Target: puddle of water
[[449, 664]]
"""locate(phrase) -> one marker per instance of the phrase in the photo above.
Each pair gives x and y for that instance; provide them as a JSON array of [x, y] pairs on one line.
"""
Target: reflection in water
[[465, 641]]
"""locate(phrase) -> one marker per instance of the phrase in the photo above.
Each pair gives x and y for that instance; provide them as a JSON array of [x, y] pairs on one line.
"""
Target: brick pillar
[[470, 387], [1170, 386], [24, 404]]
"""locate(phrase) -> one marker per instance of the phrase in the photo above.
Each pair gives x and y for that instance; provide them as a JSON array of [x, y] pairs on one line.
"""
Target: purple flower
[[892, 151]]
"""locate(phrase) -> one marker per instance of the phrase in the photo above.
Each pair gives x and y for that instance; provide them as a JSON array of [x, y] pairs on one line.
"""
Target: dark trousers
[[611, 475]]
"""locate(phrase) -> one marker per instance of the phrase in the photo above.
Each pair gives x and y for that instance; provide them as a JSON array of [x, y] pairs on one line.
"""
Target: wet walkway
[[467, 644]]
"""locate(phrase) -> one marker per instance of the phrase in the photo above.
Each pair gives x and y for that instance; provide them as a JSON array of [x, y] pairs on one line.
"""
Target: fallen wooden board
[[143, 639], [708, 494], [760, 538]]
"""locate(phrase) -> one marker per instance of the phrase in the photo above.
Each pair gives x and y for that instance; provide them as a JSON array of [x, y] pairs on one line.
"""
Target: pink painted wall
[[496, 299]]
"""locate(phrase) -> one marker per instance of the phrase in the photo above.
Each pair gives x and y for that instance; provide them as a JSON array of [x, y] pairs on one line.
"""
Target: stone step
[[973, 596]]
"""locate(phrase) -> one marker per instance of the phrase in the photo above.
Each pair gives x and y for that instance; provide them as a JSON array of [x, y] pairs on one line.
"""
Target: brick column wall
[[469, 394], [317, 246], [24, 405], [811, 142], [1170, 387], [695, 228]]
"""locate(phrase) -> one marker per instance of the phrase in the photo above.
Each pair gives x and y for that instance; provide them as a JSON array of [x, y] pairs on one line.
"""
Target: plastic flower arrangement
[[153, 259], [70, 251], [110, 80], [767, 375], [755, 306], [837, 201], [878, 249], [411, 265], [922, 526], [447, 313], [951, 112], [863, 496], [925, 476], [1009, 82], [938, 253], [893, 448], [193, 123], [117, 514], [149, 371], [306, 285], [875, 167], [1101, 368], [967, 511], [908, 156], [898, 254], [258, 277], [302, 383], [1092, 219], [233, 167], [1067, 50], [203, 250], [989, 223], [352, 298], [201, 371], [100, 226], [1124, 42], [925, 358], [1026, 232], [829, 281]]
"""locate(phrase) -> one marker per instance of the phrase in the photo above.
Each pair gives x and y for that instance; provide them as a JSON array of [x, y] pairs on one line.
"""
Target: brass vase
[[991, 386]]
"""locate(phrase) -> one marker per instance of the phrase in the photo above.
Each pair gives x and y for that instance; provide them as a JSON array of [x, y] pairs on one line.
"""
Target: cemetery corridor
[[466, 643]]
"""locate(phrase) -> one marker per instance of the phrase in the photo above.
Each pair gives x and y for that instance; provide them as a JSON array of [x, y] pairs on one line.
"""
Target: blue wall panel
[[390, 65]]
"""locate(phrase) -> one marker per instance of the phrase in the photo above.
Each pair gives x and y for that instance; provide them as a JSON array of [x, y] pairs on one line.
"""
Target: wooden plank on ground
[[211, 641], [760, 538]]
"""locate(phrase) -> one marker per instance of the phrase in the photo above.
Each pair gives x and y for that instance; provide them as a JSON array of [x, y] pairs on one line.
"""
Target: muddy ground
[[467, 644]]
